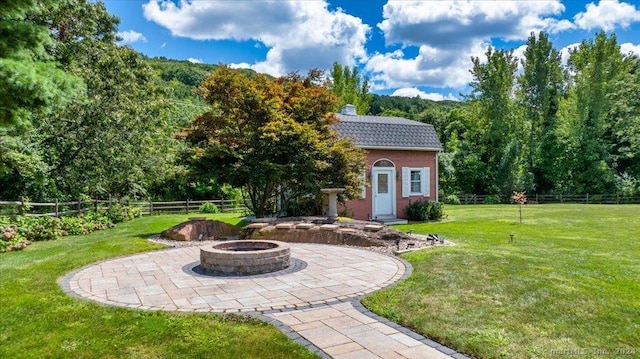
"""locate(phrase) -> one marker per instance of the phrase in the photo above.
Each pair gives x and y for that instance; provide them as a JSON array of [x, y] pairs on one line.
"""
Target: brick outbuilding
[[402, 163]]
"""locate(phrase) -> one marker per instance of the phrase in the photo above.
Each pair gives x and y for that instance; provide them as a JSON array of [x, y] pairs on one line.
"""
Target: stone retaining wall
[[367, 235]]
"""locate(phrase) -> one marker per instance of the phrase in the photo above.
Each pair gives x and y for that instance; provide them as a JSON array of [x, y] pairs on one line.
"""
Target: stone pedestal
[[333, 201]]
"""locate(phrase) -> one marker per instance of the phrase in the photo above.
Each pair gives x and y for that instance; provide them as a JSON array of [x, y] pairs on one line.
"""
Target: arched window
[[383, 163]]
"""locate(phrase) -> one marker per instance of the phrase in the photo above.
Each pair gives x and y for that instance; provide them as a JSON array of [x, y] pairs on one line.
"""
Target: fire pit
[[246, 257]]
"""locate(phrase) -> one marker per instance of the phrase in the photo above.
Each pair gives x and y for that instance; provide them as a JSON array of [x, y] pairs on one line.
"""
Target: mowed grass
[[567, 286], [38, 320]]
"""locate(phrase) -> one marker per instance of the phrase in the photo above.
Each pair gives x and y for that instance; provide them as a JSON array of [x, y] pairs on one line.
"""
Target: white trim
[[406, 182], [392, 190], [426, 182], [383, 159], [437, 179]]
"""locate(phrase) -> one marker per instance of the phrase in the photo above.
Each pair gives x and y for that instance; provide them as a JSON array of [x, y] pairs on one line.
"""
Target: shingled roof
[[382, 132]]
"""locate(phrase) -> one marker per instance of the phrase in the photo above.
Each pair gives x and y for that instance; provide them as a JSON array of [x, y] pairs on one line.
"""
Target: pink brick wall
[[362, 208]]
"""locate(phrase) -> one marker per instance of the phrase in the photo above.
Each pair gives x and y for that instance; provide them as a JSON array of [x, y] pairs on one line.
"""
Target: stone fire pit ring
[[245, 257]]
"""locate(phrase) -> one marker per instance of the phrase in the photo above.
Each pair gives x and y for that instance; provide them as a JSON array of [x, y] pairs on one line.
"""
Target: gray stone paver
[[316, 304], [330, 326]]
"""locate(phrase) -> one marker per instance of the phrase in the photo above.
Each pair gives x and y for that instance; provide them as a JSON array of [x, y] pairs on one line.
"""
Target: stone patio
[[315, 301]]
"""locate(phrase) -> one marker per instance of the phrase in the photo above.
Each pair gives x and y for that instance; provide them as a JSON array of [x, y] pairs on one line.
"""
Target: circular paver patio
[[167, 280]]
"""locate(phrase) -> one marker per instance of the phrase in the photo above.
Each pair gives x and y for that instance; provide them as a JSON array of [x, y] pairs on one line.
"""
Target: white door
[[383, 188]]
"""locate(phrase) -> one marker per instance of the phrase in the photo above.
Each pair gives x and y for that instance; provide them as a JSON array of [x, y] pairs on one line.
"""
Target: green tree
[[350, 87], [498, 127], [541, 88], [439, 118], [409, 106], [624, 134], [272, 138], [115, 139], [596, 64], [23, 170], [110, 138], [30, 80]]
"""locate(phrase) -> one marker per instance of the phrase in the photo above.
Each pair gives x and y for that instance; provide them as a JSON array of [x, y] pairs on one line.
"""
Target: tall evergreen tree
[[596, 64], [110, 138], [624, 134], [540, 90], [30, 79], [350, 87], [499, 142]]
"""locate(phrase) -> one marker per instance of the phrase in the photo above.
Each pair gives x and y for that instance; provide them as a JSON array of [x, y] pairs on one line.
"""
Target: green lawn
[[38, 320], [567, 286]]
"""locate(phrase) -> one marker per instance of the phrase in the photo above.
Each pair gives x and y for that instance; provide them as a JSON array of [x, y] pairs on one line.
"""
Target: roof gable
[[388, 132]]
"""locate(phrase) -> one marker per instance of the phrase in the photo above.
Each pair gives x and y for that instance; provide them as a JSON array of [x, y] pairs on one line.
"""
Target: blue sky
[[407, 48]]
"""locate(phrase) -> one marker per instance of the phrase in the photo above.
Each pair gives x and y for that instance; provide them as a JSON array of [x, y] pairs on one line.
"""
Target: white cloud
[[565, 52], [300, 35], [628, 47], [130, 36], [518, 53], [194, 60], [448, 33], [241, 65], [446, 67], [415, 92], [445, 23], [607, 15]]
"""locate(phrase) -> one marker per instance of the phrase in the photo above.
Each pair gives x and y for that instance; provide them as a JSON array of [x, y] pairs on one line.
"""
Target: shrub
[[436, 211], [491, 200], [303, 206], [417, 211], [18, 232], [98, 221], [452, 199], [21, 231], [424, 210], [208, 207], [74, 225], [120, 213], [43, 228], [10, 237], [84, 224]]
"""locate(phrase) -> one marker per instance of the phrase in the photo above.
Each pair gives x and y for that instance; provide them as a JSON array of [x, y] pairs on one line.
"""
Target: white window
[[415, 181]]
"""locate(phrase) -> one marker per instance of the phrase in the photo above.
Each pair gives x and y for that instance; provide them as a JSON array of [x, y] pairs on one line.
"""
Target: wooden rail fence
[[57, 209], [533, 199]]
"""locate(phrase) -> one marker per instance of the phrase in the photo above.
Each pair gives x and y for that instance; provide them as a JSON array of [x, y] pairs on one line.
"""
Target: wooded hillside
[[82, 116]]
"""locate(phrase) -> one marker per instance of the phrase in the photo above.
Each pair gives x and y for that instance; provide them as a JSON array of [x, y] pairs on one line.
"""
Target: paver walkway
[[315, 301]]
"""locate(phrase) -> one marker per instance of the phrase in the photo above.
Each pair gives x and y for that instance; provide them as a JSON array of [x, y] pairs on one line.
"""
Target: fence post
[[95, 206], [57, 209], [21, 209], [475, 197], [617, 198], [187, 201], [587, 198], [78, 206], [150, 208], [561, 199]]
